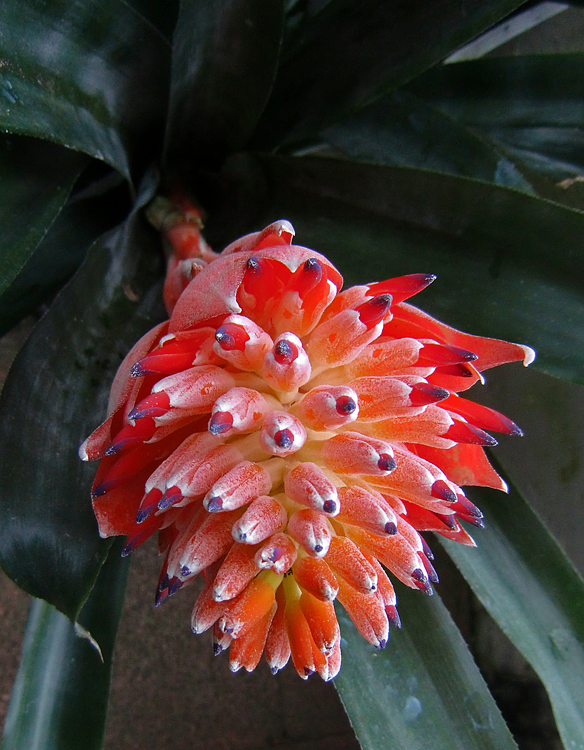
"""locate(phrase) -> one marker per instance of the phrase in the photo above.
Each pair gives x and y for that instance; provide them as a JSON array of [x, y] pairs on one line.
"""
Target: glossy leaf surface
[[162, 15], [509, 265], [401, 129], [224, 62], [351, 53], [54, 397], [59, 700], [424, 691], [35, 181], [61, 252], [87, 75], [532, 105], [533, 592]]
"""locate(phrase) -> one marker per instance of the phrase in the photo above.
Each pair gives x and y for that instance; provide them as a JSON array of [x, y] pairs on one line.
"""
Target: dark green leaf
[[35, 181], [62, 250], [532, 105], [60, 697], [224, 63], [88, 75], [353, 52], [55, 395], [532, 591], [162, 16], [424, 691], [509, 265], [401, 129]]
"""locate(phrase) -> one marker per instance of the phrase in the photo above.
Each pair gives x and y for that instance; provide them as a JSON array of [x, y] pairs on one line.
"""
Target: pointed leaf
[[353, 52], [77, 74], [60, 696], [35, 181], [533, 592], [162, 16], [531, 105], [56, 393], [424, 691], [401, 129], [495, 250], [60, 252], [224, 63]]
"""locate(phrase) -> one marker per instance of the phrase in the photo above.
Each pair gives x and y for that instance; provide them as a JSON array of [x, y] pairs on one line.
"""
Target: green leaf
[[400, 129], [533, 592], [510, 265], [531, 105], [162, 16], [424, 691], [55, 395], [62, 250], [88, 75], [60, 696], [35, 181], [353, 52], [224, 63]]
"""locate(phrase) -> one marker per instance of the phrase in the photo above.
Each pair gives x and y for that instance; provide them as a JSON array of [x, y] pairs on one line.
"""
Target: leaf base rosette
[[290, 441]]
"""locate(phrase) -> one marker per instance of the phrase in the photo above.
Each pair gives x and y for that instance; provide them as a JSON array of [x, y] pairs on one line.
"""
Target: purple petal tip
[[215, 505]]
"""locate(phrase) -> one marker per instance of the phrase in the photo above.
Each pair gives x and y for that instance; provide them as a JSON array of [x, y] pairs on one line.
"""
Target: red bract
[[290, 441]]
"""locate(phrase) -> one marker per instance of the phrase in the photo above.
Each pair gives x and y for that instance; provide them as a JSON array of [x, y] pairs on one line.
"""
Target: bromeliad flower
[[290, 441]]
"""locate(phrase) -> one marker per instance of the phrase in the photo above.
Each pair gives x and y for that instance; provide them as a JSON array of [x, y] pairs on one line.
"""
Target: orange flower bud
[[290, 441]]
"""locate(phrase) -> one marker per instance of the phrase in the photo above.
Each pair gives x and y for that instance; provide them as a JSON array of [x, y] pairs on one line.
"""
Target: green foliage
[[225, 58], [92, 77], [49, 541], [495, 250], [424, 691], [60, 695], [507, 575], [339, 116], [35, 181]]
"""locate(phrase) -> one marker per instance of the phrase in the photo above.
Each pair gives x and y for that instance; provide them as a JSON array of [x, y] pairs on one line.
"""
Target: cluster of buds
[[290, 441]]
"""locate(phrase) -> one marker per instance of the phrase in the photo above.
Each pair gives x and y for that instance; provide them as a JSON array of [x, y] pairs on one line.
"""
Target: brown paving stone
[[14, 603], [13, 612]]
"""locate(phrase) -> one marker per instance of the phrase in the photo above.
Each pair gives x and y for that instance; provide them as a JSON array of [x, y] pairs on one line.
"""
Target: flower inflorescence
[[290, 441]]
